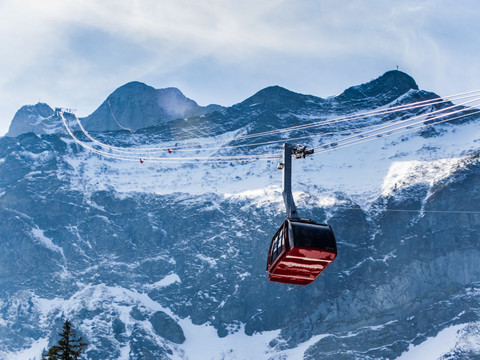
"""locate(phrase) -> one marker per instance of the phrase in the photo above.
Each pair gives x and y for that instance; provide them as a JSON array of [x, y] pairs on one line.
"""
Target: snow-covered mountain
[[33, 118], [135, 106], [167, 261]]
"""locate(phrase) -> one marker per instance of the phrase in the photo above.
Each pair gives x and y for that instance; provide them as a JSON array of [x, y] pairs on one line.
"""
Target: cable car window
[[277, 246], [313, 235]]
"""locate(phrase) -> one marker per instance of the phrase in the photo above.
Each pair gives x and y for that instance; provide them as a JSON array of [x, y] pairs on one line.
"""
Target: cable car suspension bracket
[[299, 152]]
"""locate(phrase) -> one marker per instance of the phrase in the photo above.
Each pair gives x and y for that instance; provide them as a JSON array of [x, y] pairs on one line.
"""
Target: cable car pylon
[[300, 249]]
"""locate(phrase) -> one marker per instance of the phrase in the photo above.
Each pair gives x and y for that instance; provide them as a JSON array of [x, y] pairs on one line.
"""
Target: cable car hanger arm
[[300, 152]]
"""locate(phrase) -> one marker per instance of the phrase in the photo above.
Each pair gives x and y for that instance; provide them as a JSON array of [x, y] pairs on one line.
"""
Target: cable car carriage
[[301, 249]]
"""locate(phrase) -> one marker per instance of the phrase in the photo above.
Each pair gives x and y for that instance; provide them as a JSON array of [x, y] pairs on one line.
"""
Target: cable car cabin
[[299, 252]]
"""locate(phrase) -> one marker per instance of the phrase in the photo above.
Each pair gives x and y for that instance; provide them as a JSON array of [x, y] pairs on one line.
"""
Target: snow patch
[[211, 261], [166, 281], [299, 351], [34, 352], [362, 172], [202, 342], [402, 174], [261, 195], [434, 347], [47, 242]]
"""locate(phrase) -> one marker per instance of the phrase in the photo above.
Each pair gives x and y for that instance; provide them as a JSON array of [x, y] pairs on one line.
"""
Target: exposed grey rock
[[167, 328], [33, 118], [135, 106], [114, 262]]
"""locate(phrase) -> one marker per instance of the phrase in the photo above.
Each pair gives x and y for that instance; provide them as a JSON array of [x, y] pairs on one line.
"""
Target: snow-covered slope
[[135, 106], [34, 118], [167, 261]]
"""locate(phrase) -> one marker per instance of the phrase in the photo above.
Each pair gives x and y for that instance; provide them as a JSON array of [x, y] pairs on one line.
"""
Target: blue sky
[[74, 53]]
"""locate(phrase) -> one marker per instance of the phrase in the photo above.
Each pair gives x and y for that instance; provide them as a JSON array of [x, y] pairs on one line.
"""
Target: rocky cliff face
[[382, 90], [135, 106], [33, 118], [167, 261]]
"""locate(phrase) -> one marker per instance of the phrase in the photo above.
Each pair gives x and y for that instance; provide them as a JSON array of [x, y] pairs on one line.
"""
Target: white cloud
[[75, 52]]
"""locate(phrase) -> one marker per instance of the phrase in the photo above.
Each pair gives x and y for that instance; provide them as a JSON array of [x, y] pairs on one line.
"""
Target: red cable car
[[300, 250]]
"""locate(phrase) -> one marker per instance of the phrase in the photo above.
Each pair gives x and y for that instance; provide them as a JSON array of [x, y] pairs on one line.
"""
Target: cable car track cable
[[362, 135], [407, 128], [358, 139], [424, 103], [231, 158], [391, 132], [412, 210]]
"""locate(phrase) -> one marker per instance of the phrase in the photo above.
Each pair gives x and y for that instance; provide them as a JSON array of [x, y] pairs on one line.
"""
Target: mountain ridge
[[167, 260], [135, 105]]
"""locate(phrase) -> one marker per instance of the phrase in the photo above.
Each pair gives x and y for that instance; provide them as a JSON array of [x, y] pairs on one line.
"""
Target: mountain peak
[[385, 88], [277, 96], [31, 118], [138, 85], [129, 90], [136, 105]]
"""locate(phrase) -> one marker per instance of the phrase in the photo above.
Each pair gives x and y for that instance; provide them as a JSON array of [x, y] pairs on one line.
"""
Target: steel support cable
[[390, 132], [298, 138], [171, 159], [301, 127], [409, 106], [140, 152], [130, 151], [361, 135], [298, 127], [412, 210], [406, 128], [398, 108]]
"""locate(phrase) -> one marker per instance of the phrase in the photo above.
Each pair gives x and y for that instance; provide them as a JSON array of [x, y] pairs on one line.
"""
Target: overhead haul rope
[[361, 136], [393, 109], [415, 210], [357, 139], [349, 130], [360, 140], [344, 118], [270, 156], [298, 127], [407, 128], [169, 159], [328, 133]]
